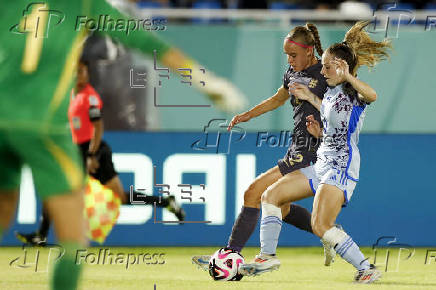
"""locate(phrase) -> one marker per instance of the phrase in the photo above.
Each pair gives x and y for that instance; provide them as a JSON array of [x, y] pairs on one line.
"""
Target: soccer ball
[[224, 265]]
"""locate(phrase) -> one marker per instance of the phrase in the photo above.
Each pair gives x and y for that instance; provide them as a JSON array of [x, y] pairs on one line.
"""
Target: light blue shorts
[[323, 173]]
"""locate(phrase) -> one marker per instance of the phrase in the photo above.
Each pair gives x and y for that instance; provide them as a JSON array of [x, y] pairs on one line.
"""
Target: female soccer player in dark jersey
[[335, 174], [304, 68]]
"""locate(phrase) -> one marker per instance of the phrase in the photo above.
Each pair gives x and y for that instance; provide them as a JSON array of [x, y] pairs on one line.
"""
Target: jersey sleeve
[[143, 40], [95, 105], [286, 80], [320, 87]]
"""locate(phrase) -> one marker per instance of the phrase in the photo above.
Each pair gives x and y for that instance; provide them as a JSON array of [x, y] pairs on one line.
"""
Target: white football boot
[[329, 253], [367, 276], [202, 261], [262, 263]]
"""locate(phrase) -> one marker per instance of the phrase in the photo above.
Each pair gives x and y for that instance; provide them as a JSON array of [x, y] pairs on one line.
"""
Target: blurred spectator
[[154, 3], [265, 4], [247, 4], [355, 8], [323, 6]]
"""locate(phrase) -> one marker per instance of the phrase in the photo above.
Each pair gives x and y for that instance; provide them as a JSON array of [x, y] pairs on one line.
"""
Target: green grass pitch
[[302, 268]]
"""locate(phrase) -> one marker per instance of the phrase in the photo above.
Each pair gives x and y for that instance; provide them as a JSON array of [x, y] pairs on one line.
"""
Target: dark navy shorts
[[295, 160]]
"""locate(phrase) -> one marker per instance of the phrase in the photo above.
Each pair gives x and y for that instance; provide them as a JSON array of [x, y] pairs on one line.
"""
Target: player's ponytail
[[306, 35], [317, 42], [359, 49]]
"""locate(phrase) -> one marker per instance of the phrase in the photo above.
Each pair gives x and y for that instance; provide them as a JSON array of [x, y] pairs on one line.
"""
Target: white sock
[[346, 248], [270, 227]]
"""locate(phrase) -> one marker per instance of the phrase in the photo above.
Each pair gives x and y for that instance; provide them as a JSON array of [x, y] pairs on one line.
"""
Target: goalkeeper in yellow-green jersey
[[41, 44]]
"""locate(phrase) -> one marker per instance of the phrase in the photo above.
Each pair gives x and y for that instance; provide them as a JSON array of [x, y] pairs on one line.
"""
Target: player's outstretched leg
[[294, 214], [270, 228], [291, 187], [326, 207], [241, 232], [350, 252], [247, 219]]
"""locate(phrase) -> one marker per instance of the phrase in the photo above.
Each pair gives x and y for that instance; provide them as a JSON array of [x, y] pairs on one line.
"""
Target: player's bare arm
[[366, 92], [302, 93], [270, 104], [92, 163], [94, 144]]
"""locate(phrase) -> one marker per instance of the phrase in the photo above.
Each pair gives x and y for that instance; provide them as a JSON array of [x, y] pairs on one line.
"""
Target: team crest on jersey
[[313, 83], [297, 101]]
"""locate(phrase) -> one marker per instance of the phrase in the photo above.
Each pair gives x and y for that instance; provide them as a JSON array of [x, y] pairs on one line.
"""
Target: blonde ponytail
[[367, 51]]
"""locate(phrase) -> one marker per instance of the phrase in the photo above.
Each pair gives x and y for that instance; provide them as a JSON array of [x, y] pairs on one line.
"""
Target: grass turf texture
[[302, 268]]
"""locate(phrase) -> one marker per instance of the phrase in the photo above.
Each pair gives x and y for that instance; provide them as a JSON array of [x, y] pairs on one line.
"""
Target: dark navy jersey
[[315, 81]]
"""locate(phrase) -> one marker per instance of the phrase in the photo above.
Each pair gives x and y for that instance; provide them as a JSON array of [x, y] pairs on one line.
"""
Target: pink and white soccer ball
[[224, 265]]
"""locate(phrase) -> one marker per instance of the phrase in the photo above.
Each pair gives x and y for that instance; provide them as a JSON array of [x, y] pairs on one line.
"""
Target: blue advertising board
[[209, 172]]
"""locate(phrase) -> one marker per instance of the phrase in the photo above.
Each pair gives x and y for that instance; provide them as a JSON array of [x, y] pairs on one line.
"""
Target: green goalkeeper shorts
[[54, 161]]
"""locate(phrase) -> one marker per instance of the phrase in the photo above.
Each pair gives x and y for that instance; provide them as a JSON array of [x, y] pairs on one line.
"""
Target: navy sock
[[243, 228], [299, 217]]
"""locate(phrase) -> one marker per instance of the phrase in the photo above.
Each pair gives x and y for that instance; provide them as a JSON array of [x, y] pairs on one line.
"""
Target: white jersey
[[342, 117]]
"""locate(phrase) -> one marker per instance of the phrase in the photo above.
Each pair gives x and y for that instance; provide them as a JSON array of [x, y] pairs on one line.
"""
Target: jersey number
[[34, 25], [297, 158]]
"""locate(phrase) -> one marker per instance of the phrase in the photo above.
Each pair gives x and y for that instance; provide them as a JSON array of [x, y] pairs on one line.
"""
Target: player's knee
[[319, 227], [268, 197], [252, 196]]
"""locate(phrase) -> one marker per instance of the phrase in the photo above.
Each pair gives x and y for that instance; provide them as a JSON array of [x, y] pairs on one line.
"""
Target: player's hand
[[92, 164], [244, 117], [313, 126], [342, 68], [301, 92]]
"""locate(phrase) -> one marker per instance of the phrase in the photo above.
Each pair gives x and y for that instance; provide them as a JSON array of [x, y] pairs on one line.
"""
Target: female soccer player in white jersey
[[304, 68], [334, 176]]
